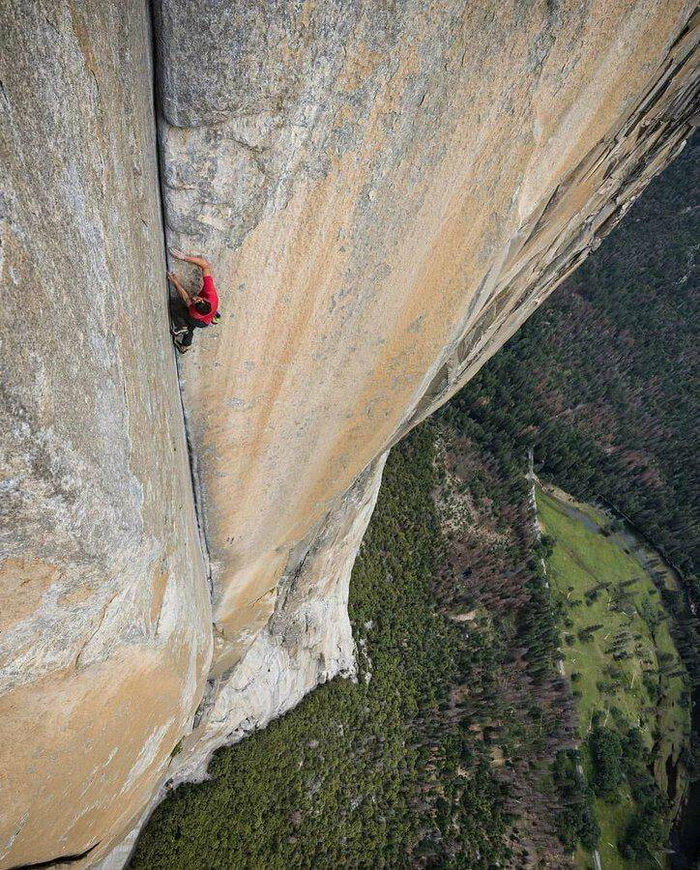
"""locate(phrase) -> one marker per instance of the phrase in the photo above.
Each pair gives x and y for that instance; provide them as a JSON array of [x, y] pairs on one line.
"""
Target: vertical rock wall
[[104, 610], [386, 191], [307, 641]]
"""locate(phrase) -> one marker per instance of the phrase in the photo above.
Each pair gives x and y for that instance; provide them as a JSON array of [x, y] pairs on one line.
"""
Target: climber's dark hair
[[203, 307]]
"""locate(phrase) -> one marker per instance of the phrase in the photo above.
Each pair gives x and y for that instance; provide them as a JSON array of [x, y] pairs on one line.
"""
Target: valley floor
[[455, 747], [618, 652]]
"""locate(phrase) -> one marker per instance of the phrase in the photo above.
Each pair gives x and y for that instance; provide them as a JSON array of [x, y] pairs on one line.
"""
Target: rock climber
[[191, 312]]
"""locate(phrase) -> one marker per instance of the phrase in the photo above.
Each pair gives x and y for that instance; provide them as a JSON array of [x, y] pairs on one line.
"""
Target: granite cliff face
[[105, 636], [386, 191]]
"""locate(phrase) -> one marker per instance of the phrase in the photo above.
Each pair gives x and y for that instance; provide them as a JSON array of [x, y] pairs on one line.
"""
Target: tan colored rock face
[[413, 182], [386, 191], [85, 749], [104, 611]]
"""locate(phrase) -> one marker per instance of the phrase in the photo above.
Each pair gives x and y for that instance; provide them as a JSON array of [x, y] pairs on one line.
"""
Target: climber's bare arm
[[196, 261], [182, 293]]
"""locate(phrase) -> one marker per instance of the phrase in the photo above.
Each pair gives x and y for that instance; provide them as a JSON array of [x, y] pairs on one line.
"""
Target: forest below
[[603, 379], [457, 745], [632, 690], [425, 759]]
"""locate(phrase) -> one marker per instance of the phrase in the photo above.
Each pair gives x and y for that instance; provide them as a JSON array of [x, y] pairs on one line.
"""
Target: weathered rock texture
[[386, 191], [104, 609], [307, 641]]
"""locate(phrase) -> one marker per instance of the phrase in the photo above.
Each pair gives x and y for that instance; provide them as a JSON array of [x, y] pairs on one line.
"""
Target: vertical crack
[[195, 480]]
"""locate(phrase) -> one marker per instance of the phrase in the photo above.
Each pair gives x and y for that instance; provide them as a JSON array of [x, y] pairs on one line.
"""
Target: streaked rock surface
[[104, 608], [386, 191]]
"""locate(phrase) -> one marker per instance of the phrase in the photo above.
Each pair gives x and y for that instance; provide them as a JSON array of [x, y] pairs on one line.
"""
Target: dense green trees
[[648, 829], [621, 758], [605, 749], [576, 818], [381, 772]]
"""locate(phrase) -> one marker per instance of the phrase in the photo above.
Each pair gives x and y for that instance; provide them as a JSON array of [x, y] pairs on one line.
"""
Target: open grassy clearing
[[612, 820], [617, 649]]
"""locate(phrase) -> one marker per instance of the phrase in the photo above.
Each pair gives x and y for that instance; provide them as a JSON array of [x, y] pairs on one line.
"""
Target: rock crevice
[[386, 192]]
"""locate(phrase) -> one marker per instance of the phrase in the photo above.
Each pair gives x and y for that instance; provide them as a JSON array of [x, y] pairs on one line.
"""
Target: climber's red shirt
[[209, 293]]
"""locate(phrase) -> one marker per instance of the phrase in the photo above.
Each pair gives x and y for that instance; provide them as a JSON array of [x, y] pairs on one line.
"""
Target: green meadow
[[618, 653]]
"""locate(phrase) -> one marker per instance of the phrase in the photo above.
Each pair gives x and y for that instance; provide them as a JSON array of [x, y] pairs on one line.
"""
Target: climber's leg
[[179, 316], [180, 326], [184, 342]]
